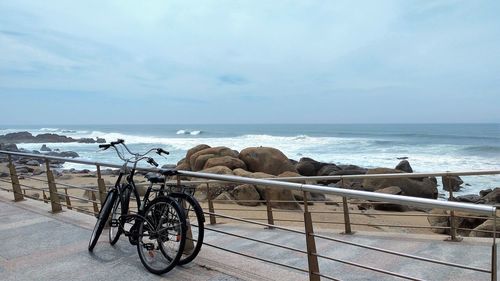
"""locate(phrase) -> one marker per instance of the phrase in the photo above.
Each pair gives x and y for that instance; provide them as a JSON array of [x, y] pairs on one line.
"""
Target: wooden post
[[54, 197], [101, 185], [68, 200], [312, 258], [189, 234], [270, 219], [96, 207], [210, 206], [347, 219], [16, 187], [44, 197], [453, 222]]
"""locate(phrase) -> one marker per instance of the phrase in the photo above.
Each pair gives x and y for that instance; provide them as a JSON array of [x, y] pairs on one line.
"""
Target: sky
[[173, 62]]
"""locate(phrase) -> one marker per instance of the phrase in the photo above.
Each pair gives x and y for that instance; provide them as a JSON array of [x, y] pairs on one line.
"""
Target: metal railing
[[96, 194]]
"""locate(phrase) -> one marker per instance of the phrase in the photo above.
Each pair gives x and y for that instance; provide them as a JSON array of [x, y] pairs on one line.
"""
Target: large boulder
[[404, 166], [394, 190], [213, 151], [327, 170], [9, 147], [299, 195], [486, 229], [227, 161], [451, 183], [244, 192], [426, 188], [308, 167], [215, 188], [195, 149], [267, 160], [492, 197]]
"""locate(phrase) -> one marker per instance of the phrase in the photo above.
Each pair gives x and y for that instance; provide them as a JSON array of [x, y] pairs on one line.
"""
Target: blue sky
[[80, 62]]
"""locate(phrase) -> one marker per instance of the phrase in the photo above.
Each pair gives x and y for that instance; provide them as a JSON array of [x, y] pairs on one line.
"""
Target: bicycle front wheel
[[161, 235], [195, 221], [102, 218]]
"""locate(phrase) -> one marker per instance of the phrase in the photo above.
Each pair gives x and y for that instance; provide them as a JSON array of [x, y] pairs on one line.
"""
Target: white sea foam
[[195, 133], [181, 132]]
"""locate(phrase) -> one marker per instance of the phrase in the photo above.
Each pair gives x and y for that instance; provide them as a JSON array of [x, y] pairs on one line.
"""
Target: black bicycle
[[192, 210], [158, 228]]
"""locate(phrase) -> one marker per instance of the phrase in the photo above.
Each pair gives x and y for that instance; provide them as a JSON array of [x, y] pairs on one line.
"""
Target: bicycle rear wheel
[[195, 221], [102, 218], [161, 235]]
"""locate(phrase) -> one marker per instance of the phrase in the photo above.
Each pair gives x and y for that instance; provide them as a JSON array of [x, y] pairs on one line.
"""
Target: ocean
[[428, 147]]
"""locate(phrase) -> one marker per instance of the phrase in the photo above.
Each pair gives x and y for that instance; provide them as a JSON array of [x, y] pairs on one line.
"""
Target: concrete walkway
[[38, 245]]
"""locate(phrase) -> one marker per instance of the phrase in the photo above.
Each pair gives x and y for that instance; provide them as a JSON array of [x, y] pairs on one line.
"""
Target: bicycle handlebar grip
[[152, 162], [161, 150], [105, 146]]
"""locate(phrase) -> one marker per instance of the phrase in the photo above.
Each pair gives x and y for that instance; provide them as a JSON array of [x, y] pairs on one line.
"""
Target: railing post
[[453, 227], [312, 258], [68, 200], [347, 219], [101, 185], [189, 234], [45, 200], [210, 205], [16, 187], [270, 219], [94, 203], [54, 197], [494, 250]]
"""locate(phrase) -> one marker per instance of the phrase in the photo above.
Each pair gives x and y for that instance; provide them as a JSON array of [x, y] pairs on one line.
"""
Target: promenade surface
[[38, 245]]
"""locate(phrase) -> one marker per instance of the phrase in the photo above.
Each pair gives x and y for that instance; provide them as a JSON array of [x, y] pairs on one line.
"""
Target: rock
[[67, 154], [224, 198], [219, 170], [480, 231], [394, 190], [468, 198], [492, 197], [38, 171], [439, 218], [184, 166], [33, 163], [100, 140], [308, 166], [193, 150], [18, 137], [451, 182], [35, 195], [9, 147], [227, 161], [86, 140], [404, 166], [410, 187], [266, 159], [327, 170], [246, 192], [169, 166], [45, 148], [197, 165], [485, 192]]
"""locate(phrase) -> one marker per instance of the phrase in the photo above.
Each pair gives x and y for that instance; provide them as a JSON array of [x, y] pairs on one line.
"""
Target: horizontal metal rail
[[411, 201]]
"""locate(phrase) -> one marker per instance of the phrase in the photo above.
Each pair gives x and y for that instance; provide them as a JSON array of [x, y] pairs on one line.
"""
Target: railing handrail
[[366, 195]]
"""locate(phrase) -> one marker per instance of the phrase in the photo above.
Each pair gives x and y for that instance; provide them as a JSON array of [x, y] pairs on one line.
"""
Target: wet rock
[[404, 166], [451, 183], [45, 148]]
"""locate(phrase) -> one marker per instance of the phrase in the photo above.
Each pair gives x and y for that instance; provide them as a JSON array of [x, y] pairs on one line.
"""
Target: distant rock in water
[[45, 148], [27, 137]]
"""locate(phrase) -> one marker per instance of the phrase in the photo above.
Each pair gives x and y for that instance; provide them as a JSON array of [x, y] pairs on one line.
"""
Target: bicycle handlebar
[[138, 157]]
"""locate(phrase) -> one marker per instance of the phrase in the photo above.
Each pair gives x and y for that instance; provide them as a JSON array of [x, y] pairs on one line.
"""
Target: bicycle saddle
[[155, 178]]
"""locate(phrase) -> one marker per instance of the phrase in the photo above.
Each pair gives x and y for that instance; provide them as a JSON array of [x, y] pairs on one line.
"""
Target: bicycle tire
[[102, 219], [163, 222], [191, 205], [123, 204]]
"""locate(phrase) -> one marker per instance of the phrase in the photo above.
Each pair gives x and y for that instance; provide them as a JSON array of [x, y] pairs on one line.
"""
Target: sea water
[[428, 147]]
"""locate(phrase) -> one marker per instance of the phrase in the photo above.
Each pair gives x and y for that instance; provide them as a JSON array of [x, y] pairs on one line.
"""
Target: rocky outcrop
[[308, 167], [27, 137], [267, 160], [45, 148], [426, 188]]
